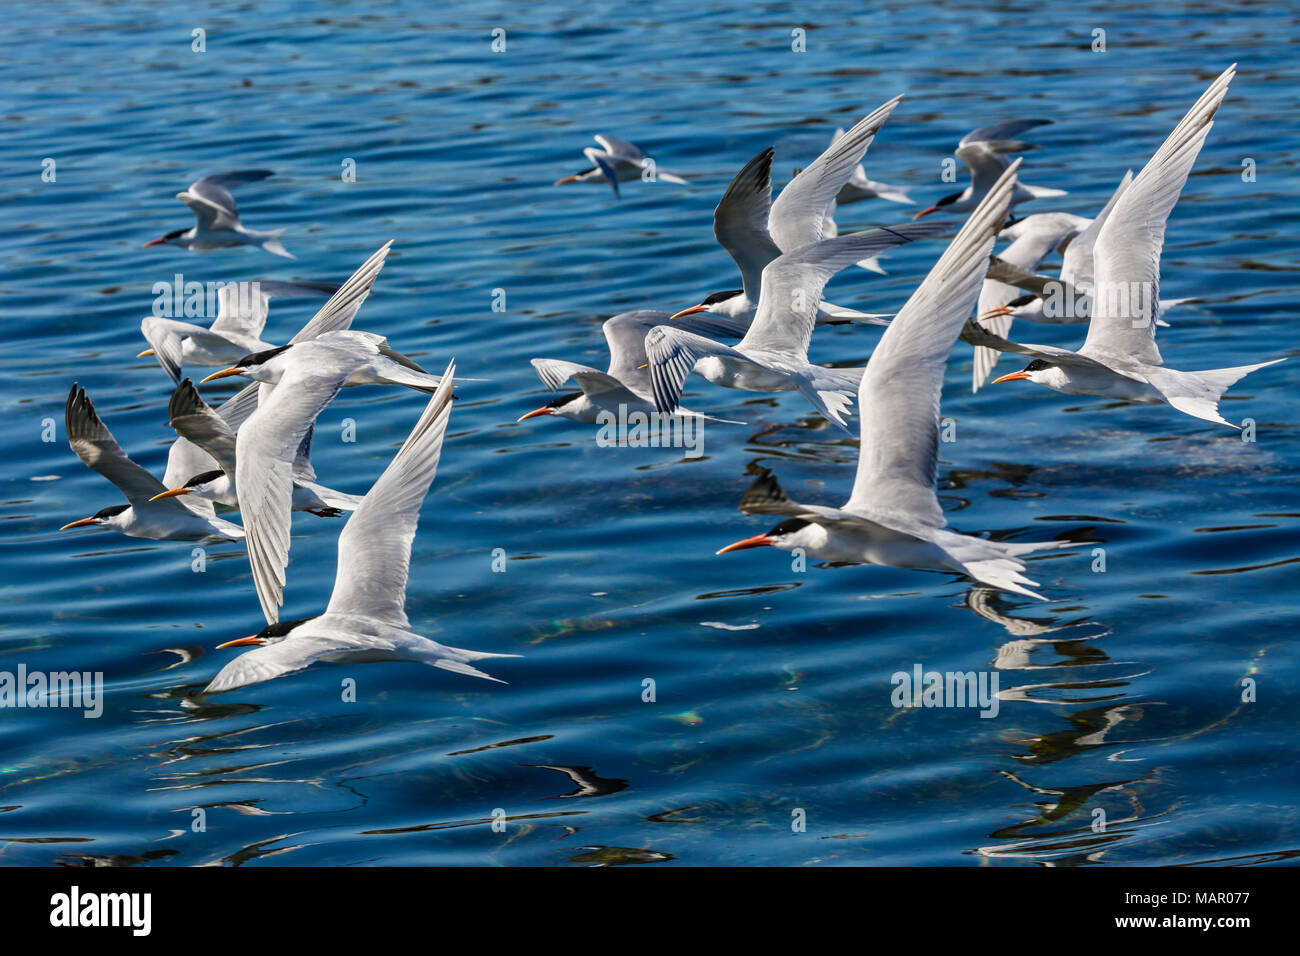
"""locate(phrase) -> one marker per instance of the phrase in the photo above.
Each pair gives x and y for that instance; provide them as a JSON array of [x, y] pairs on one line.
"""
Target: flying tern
[[773, 355], [625, 386], [217, 222], [755, 230], [619, 161], [985, 151], [365, 620], [1119, 358], [860, 186], [237, 329], [141, 516], [194, 419], [893, 516]]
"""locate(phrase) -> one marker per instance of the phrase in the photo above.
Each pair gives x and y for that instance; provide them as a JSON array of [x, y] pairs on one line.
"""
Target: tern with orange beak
[[237, 329], [619, 161], [142, 516], [985, 152], [365, 621], [1119, 359], [625, 387], [755, 230], [893, 516], [217, 222]]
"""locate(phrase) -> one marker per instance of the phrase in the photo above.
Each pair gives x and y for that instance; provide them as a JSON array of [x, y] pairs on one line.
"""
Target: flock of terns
[[253, 452]]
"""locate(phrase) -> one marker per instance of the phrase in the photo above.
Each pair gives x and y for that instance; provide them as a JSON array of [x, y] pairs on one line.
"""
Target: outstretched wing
[[898, 397], [604, 162], [210, 198], [166, 338], [740, 221], [793, 284], [672, 353], [1002, 137], [619, 148], [343, 305], [95, 445], [284, 657], [1126, 258], [375, 546], [195, 420], [799, 213], [1076, 261]]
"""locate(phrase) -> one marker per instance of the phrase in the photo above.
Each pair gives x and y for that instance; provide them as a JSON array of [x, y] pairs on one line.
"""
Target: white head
[[271, 634], [572, 405], [1039, 372], [209, 485], [788, 535], [267, 366]]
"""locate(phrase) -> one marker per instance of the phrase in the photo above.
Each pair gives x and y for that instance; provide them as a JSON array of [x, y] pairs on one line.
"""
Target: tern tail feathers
[[271, 243], [1198, 393]]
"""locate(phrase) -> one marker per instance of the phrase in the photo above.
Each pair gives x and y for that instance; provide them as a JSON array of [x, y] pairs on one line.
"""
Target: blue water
[[1122, 694]]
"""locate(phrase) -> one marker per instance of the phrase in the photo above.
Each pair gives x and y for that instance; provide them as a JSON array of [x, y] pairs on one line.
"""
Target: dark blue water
[[1122, 694]]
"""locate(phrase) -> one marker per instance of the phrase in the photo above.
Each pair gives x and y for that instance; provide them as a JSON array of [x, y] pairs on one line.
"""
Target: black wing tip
[[764, 491]]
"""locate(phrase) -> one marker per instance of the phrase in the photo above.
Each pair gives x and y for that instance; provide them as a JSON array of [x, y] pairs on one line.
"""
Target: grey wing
[[799, 213], [195, 420], [1126, 258], [619, 148], [672, 354], [1003, 137], [793, 284], [341, 309], [999, 270], [265, 448], [95, 445], [625, 334], [985, 164], [740, 221], [241, 308], [898, 397], [166, 338], [603, 162], [375, 545], [1076, 261], [274, 660]]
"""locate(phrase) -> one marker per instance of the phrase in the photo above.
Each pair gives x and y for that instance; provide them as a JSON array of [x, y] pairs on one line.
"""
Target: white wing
[[799, 212], [166, 338], [1126, 259], [284, 657], [793, 284], [740, 221], [898, 398], [1076, 262], [265, 449], [214, 207], [241, 308], [605, 163], [375, 546], [1001, 137], [619, 148], [625, 334], [341, 309]]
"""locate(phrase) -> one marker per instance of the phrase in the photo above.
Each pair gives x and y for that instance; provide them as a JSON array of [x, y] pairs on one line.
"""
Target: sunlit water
[[772, 689]]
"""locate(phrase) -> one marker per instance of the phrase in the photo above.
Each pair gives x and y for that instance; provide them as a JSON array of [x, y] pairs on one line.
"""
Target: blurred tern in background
[[217, 218], [619, 161], [985, 151]]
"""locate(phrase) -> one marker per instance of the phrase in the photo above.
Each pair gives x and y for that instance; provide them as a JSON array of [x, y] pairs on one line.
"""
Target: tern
[[618, 161], [1032, 239], [755, 230], [893, 516], [237, 329], [773, 355], [1119, 358], [217, 222], [141, 516], [194, 419], [984, 151], [306, 376], [365, 620], [625, 386]]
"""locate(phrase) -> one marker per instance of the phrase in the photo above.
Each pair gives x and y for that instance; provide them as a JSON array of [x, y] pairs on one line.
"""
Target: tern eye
[[789, 526], [110, 511], [717, 297], [1037, 365], [204, 478]]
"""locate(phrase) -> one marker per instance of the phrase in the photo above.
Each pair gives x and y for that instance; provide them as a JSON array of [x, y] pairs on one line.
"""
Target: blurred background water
[[1123, 693]]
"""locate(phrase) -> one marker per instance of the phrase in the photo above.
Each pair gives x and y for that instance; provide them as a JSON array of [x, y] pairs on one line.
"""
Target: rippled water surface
[[1122, 694]]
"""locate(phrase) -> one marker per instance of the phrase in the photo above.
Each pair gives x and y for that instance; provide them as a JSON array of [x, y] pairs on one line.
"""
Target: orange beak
[[1000, 310], [544, 410], [925, 212], [224, 373], [153, 242], [144, 353], [252, 640], [691, 311], [1013, 377], [170, 494], [758, 541], [566, 179], [84, 522]]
